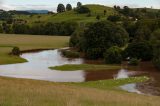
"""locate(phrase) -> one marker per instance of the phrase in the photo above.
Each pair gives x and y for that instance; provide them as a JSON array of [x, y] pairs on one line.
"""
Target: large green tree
[[68, 7], [101, 36], [60, 8]]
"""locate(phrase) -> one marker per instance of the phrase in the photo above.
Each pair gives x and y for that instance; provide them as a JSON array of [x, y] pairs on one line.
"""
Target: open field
[[27, 42]]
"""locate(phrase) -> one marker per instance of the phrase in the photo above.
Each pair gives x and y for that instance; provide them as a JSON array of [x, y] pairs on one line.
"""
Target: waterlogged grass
[[21, 92], [106, 84], [27, 42], [74, 67]]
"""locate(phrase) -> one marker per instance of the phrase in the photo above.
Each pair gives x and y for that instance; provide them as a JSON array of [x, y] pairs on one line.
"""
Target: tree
[[16, 51], [155, 36], [83, 10], [139, 50], [113, 55], [104, 12], [79, 4], [60, 8], [114, 18], [143, 33], [98, 17], [68, 7], [101, 36]]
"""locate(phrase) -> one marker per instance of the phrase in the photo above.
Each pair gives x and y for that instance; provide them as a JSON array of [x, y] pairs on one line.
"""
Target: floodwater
[[38, 63]]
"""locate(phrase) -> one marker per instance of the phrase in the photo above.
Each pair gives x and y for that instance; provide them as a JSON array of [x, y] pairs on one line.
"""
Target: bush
[[113, 55], [134, 62], [70, 54], [83, 10], [156, 57], [114, 18], [94, 53], [139, 50], [16, 51]]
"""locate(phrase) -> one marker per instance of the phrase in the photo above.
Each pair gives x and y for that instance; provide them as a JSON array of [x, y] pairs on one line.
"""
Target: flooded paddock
[[38, 63]]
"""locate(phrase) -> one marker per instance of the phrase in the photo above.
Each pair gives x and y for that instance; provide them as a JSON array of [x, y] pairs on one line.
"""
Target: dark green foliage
[[113, 55], [155, 37], [98, 17], [83, 10], [6, 28], [156, 57], [94, 53], [60, 8], [104, 12], [16, 51], [114, 18], [79, 4], [101, 36], [143, 33], [68, 7], [20, 28], [70, 54], [134, 62], [139, 50]]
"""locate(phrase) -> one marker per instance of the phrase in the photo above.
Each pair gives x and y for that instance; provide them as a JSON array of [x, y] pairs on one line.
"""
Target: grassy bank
[[14, 92], [74, 67], [27, 42]]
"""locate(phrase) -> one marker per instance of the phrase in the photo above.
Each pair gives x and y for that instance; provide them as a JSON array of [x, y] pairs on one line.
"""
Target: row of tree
[[62, 8], [63, 28]]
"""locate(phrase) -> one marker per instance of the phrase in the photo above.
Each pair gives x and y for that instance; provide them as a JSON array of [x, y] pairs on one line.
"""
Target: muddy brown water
[[38, 63]]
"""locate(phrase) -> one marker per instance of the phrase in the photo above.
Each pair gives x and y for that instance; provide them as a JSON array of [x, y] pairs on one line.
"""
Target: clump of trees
[[100, 36]]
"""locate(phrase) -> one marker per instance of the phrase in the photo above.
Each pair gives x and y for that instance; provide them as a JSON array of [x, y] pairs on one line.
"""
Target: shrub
[[83, 10], [16, 51], [134, 62], [70, 54], [139, 50], [94, 53], [113, 55], [156, 57]]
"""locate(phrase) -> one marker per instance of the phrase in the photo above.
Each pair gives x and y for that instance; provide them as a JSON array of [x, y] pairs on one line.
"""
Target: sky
[[52, 4]]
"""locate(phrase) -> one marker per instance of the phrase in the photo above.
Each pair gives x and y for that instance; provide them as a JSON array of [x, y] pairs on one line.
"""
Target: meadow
[[24, 92]]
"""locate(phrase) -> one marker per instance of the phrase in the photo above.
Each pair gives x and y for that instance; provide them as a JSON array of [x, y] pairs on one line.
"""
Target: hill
[[70, 15]]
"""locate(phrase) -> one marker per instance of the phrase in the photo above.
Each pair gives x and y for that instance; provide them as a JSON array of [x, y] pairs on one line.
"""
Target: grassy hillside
[[25, 42], [71, 15]]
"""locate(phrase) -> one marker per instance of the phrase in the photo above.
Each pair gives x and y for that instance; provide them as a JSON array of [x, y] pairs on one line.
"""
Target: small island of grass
[[74, 67]]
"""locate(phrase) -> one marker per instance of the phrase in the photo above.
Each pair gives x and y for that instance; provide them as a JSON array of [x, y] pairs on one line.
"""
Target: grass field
[[71, 15], [20, 92], [74, 67], [27, 42]]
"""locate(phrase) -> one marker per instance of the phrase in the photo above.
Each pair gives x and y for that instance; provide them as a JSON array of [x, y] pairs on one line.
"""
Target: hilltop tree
[[68, 7], [60, 8], [79, 4], [98, 17], [83, 10], [104, 12]]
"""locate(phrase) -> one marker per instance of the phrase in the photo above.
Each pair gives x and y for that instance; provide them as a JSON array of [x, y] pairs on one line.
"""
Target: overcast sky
[[52, 4]]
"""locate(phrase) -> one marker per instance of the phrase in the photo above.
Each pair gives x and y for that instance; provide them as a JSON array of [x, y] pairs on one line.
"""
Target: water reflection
[[37, 68], [128, 87]]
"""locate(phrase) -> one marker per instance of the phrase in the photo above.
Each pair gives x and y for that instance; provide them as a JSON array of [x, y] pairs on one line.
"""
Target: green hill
[[70, 15]]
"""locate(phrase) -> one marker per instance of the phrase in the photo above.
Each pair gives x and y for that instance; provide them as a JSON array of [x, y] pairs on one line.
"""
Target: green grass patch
[[107, 84], [27, 42], [74, 67]]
